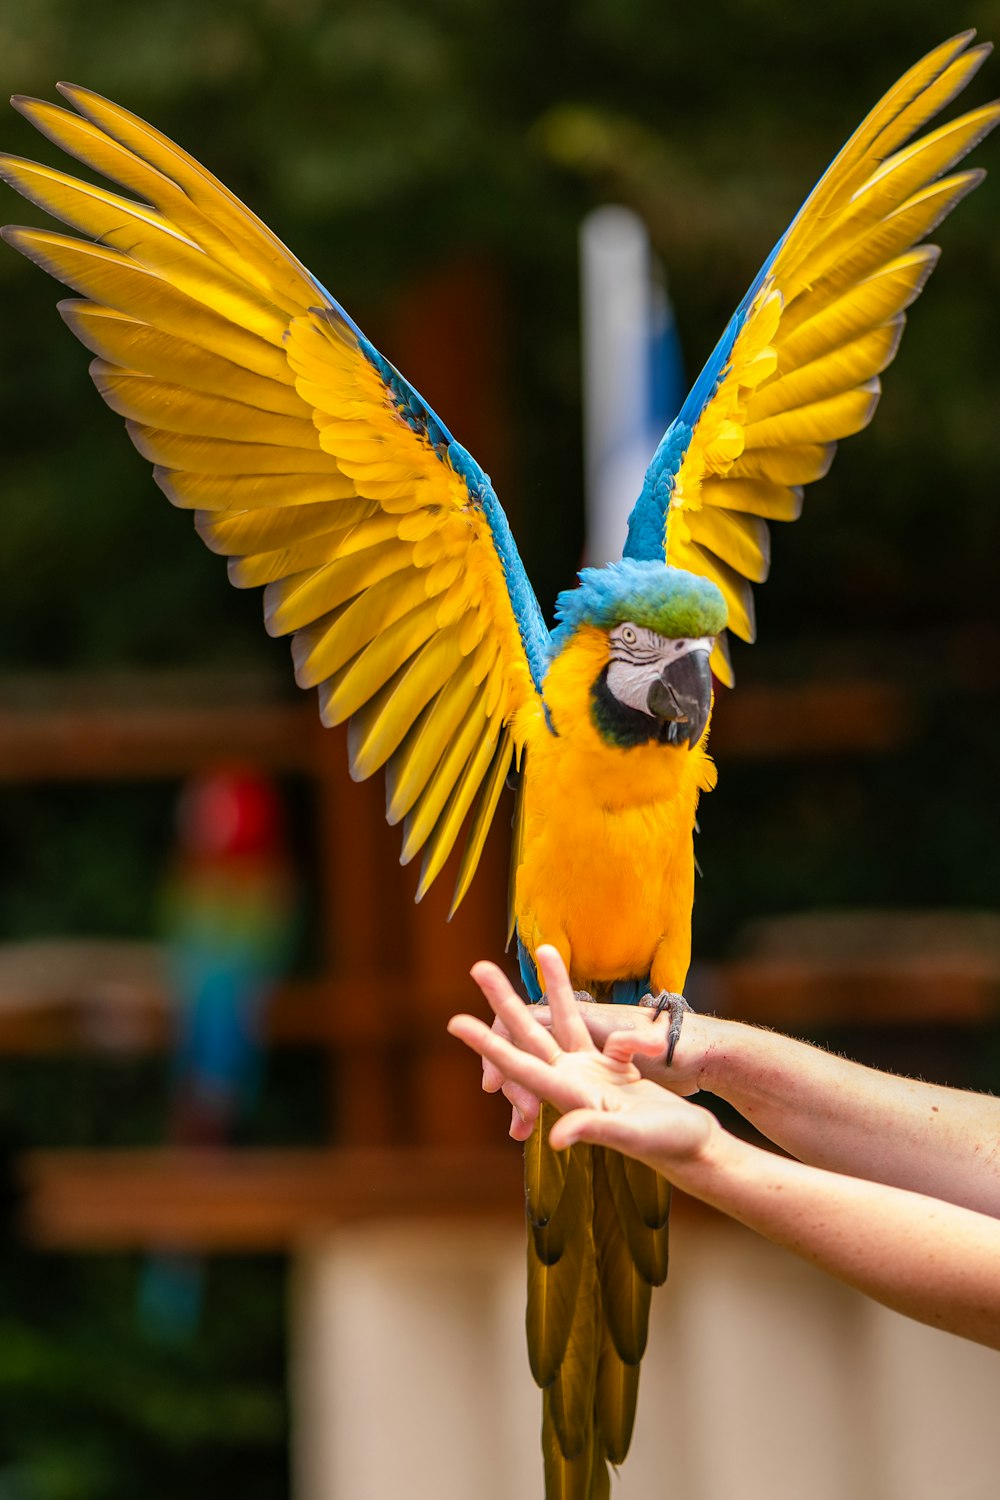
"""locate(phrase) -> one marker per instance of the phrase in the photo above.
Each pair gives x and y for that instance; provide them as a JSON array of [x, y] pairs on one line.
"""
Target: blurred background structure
[[433, 163]]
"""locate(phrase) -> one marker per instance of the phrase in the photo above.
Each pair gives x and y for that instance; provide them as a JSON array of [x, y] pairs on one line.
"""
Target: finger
[[520, 1128], [568, 1026], [493, 1079], [511, 1061], [512, 1012], [523, 1100], [622, 1046], [540, 1078], [595, 1126], [524, 1103], [600, 1126]]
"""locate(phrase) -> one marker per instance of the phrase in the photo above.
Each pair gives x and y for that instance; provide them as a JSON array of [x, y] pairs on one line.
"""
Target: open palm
[[601, 1095]]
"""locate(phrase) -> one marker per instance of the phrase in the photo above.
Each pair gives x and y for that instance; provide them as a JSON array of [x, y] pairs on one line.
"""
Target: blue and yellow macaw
[[321, 474]]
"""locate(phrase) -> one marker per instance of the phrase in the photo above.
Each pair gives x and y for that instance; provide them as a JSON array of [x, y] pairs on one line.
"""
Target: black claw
[[676, 1007]]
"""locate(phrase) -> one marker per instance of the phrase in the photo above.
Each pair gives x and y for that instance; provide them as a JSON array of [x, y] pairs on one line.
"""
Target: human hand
[[602, 1095], [683, 1076]]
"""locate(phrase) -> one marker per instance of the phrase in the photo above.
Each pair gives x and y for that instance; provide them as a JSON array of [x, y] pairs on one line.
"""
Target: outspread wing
[[798, 366], [309, 462]]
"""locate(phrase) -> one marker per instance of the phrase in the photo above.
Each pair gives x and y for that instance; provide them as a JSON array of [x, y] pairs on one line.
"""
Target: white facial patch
[[639, 656]]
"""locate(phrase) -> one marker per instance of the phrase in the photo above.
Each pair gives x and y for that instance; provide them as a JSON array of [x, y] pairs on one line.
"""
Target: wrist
[[711, 1172], [719, 1041], [693, 1066]]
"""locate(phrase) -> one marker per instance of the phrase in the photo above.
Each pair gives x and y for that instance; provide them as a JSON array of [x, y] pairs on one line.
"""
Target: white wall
[[763, 1378]]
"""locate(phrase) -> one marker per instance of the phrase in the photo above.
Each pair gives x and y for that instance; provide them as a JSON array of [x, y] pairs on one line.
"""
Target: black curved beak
[[682, 697]]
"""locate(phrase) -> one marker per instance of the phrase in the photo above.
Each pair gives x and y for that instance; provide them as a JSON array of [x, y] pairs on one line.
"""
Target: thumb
[[623, 1046], [596, 1126]]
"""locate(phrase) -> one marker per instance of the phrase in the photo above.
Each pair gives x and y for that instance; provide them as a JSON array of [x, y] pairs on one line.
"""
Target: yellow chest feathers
[[606, 864]]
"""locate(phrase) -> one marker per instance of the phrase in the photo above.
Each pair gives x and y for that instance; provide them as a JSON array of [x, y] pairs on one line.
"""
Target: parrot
[[228, 923], [321, 474], [228, 915]]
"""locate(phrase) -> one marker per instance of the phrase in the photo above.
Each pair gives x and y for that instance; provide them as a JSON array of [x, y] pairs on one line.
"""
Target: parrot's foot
[[676, 1008], [583, 995]]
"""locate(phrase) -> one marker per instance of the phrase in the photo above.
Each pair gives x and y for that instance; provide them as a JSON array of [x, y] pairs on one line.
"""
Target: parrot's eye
[[629, 635]]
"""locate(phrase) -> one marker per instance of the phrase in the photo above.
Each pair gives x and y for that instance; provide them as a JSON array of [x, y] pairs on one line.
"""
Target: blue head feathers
[[671, 601]]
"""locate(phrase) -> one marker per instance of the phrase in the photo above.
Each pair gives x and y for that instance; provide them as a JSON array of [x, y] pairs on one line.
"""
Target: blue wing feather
[[422, 419], [531, 625], [646, 540], [529, 974]]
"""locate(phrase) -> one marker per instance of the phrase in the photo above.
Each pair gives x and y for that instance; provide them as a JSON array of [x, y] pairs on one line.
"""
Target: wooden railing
[[388, 976]]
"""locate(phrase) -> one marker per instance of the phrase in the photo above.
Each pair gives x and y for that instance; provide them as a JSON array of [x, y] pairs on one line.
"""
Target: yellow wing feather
[[428, 807], [823, 323], [426, 743], [173, 408], [124, 342], [309, 463], [111, 278], [441, 841], [236, 495], [321, 649], [493, 784], [267, 528]]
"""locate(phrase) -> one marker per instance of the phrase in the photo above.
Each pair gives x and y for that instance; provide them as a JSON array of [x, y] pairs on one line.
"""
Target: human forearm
[[821, 1108], [930, 1260], [842, 1116], [933, 1260]]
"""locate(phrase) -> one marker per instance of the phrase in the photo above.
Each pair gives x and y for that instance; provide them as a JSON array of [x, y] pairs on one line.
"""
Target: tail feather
[[625, 1293], [596, 1246], [648, 1247], [614, 1400], [550, 1233], [600, 1475], [585, 1477], [570, 1398], [559, 1197], [650, 1191], [552, 1297], [544, 1170]]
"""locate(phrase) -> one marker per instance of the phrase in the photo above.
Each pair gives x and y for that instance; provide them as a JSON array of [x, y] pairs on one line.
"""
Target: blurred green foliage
[[91, 1408], [381, 139]]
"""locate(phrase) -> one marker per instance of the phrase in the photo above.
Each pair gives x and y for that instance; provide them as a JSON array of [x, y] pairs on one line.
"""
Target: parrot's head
[[652, 683]]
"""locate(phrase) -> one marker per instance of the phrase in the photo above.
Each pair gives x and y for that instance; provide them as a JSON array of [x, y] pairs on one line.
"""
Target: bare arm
[[822, 1109], [840, 1115], [934, 1261]]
